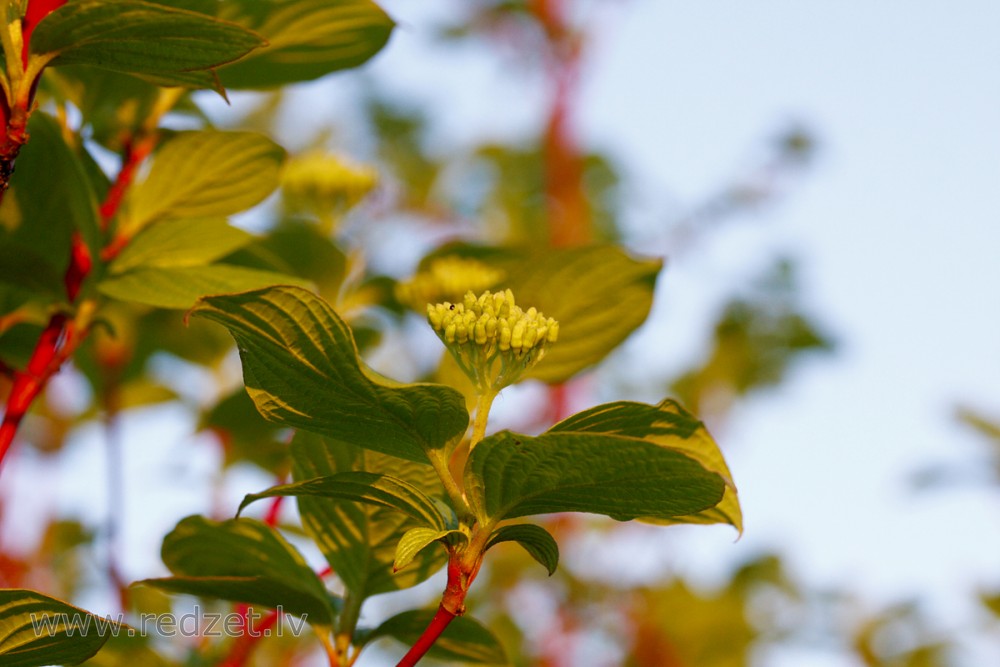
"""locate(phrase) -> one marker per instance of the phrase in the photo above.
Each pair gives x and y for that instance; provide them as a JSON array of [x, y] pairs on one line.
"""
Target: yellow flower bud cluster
[[491, 337], [447, 277], [324, 183]]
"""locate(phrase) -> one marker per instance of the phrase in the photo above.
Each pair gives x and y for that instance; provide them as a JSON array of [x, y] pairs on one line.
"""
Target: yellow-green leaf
[[188, 242], [181, 286], [205, 174], [667, 425], [416, 540], [598, 294]]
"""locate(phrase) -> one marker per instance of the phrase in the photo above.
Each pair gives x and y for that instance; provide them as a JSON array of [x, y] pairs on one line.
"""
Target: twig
[[441, 619]]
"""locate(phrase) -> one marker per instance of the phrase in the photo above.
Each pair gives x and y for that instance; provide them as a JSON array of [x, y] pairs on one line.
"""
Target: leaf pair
[[624, 460], [357, 522]]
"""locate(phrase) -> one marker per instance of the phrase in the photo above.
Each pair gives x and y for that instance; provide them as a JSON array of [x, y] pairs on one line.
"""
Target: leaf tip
[[247, 499]]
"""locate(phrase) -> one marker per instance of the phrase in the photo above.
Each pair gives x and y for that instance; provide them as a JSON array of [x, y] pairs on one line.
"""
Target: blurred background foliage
[[404, 191]]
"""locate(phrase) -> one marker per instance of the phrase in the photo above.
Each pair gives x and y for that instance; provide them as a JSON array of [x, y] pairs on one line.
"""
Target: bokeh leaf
[[181, 286], [242, 560], [598, 294], [37, 630], [187, 242], [301, 368], [206, 174], [244, 434], [52, 199], [465, 640], [301, 249]]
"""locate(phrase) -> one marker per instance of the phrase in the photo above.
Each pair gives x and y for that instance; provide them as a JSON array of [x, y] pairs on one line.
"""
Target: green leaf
[[465, 640], [181, 286], [364, 487], [206, 174], [69, 635], [300, 249], [188, 242], [536, 541], [643, 470], [301, 368], [23, 269], [17, 344], [416, 540], [52, 198], [598, 294], [359, 539], [307, 39], [667, 425], [247, 435], [139, 37], [112, 105], [242, 560]]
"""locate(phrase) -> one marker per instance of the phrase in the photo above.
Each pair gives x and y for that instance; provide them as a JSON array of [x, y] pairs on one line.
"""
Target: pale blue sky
[[896, 227]]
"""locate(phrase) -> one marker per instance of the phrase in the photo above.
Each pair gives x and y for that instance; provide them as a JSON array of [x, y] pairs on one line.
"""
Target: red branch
[[28, 383], [61, 336], [133, 155], [274, 511], [460, 576], [14, 112], [244, 644], [437, 625], [568, 212]]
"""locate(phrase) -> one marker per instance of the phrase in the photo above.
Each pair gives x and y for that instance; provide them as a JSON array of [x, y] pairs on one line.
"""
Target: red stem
[[14, 112], [27, 384], [133, 155], [568, 211], [460, 576], [274, 511], [240, 651], [244, 644], [437, 625], [60, 338]]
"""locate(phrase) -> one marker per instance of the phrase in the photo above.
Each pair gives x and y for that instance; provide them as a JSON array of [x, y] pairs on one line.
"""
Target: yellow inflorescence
[[491, 337], [445, 277], [323, 181]]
